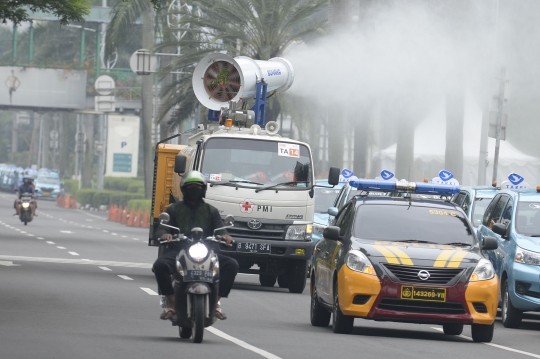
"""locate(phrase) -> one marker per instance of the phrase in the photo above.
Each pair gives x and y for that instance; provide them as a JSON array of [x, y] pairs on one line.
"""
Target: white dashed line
[[30, 235], [242, 343], [49, 242], [74, 253], [125, 277], [105, 268], [40, 238], [23, 232], [124, 236], [67, 232], [114, 234], [149, 291], [135, 239], [61, 247], [106, 231]]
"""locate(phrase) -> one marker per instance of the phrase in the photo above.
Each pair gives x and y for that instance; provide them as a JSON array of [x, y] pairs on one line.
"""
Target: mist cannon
[[219, 78]]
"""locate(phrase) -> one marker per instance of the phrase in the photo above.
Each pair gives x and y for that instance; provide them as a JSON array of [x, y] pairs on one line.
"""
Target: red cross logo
[[246, 206]]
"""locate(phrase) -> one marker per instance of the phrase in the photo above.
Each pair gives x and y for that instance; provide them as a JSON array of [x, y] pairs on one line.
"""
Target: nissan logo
[[424, 275], [254, 224]]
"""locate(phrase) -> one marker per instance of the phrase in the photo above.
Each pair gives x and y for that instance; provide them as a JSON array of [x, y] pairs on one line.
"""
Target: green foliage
[[65, 10], [121, 184], [85, 196], [136, 187], [71, 186], [142, 204], [101, 198], [122, 198]]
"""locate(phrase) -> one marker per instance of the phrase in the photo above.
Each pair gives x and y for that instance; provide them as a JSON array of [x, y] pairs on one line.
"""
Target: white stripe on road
[[242, 343], [30, 235], [135, 239], [49, 242], [74, 253], [105, 268], [125, 277], [40, 238], [149, 291], [77, 261], [497, 345], [61, 247]]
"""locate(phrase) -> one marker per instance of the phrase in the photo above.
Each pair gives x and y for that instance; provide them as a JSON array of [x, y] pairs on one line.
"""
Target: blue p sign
[[123, 144]]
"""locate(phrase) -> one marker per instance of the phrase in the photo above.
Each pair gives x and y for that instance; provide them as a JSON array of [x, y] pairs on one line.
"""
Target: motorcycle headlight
[[179, 268], [527, 257], [483, 271], [26, 205], [198, 252], [299, 232], [357, 261]]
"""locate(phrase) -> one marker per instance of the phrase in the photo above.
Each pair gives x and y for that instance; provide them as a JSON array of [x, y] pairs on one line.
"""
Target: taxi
[[403, 259], [513, 218], [473, 200]]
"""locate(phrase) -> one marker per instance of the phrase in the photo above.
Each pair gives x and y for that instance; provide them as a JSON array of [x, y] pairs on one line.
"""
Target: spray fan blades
[[222, 81]]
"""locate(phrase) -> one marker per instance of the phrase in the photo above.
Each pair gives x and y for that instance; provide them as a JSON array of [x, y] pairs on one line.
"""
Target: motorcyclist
[[25, 187], [192, 212]]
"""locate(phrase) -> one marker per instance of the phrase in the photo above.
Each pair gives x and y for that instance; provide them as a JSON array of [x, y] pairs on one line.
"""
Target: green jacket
[[186, 217]]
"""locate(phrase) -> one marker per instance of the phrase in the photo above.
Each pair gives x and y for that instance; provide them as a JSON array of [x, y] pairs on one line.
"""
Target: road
[[73, 285]]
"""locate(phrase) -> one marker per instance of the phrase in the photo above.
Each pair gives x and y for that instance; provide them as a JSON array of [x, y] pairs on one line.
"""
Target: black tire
[[267, 280], [283, 280], [511, 317], [25, 222], [198, 320], [318, 315], [452, 329], [482, 333], [185, 332], [297, 276], [341, 324]]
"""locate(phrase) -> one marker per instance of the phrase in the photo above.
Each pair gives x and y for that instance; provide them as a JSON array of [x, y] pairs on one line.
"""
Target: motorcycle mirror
[[164, 217], [229, 220]]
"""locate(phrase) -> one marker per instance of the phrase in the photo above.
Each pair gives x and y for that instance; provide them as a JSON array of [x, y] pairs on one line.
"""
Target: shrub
[[120, 184], [122, 198], [85, 196], [142, 204], [71, 186], [136, 187], [101, 198]]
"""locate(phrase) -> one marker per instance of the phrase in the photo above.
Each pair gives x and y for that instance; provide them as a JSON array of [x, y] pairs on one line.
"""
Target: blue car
[[47, 185], [474, 201], [324, 199], [513, 218]]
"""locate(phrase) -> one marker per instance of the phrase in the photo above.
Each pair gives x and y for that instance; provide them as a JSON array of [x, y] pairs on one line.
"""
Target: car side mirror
[[500, 228], [180, 162], [164, 217], [332, 232], [333, 176], [333, 211], [489, 243]]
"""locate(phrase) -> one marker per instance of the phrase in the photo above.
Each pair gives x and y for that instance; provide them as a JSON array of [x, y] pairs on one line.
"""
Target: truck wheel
[[341, 324], [283, 280], [482, 333], [297, 276], [511, 317], [267, 280], [185, 332], [198, 320], [452, 329], [319, 316]]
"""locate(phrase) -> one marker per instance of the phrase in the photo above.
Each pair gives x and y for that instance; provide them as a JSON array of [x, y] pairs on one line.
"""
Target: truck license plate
[[247, 247]]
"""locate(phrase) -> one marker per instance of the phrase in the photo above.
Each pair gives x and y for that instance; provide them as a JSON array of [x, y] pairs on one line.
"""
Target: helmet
[[194, 177]]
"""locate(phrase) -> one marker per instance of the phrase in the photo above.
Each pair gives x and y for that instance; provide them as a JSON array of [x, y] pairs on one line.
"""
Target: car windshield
[[256, 163], [324, 199], [528, 218], [479, 208], [412, 223], [48, 180]]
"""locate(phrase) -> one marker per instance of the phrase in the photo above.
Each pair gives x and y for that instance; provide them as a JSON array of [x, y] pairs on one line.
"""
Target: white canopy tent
[[430, 146]]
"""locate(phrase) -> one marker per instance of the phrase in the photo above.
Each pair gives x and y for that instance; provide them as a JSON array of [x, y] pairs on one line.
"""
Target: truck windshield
[[255, 163]]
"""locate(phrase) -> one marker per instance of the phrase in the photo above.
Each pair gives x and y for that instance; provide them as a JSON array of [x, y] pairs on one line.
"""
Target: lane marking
[[8, 264], [114, 234], [105, 268], [106, 231], [77, 261], [40, 238], [49, 242], [135, 239], [496, 345], [92, 215], [125, 277], [61, 247], [30, 235], [124, 236], [149, 291], [67, 232], [242, 343], [74, 253]]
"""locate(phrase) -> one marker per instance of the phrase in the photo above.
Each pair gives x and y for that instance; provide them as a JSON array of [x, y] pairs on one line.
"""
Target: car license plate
[[46, 193], [423, 293], [247, 247], [199, 275]]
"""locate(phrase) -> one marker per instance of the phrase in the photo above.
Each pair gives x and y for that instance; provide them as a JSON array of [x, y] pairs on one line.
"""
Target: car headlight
[[26, 205], [179, 268], [198, 252], [299, 232], [483, 271], [357, 261], [527, 257]]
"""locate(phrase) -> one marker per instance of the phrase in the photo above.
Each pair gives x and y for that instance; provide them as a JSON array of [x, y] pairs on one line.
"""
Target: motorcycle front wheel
[[198, 318]]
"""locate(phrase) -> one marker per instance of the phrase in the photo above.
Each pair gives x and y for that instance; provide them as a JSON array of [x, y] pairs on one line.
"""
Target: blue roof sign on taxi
[[347, 175], [386, 175], [515, 181], [445, 177]]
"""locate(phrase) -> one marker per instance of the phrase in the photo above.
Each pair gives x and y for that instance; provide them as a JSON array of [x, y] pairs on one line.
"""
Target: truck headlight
[[198, 252], [483, 271], [527, 257], [299, 232], [358, 262]]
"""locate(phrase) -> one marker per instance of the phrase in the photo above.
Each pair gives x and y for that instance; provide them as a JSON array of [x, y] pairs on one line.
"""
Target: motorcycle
[[25, 212], [196, 280]]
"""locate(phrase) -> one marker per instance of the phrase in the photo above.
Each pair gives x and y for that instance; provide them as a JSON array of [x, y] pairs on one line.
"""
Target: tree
[[66, 10]]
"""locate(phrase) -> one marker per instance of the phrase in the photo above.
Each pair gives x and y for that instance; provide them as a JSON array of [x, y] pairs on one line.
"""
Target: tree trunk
[[455, 112], [88, 163], [405, 150], [361, 127], [147, 106]]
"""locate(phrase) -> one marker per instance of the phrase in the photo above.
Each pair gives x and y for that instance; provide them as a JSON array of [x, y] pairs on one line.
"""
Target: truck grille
[[409, 274], [412, 306], [272, 231]]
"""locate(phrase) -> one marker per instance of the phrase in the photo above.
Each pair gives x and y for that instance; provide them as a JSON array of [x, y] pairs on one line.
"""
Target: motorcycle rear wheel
[[198, 320]]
